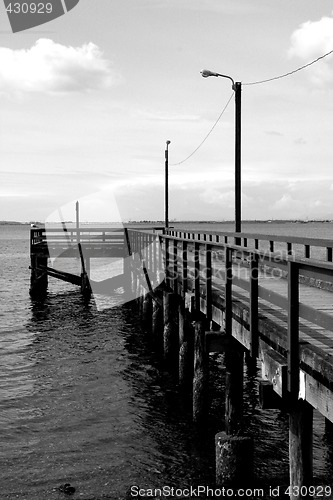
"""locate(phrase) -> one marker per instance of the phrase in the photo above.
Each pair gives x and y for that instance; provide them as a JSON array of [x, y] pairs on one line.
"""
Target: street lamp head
[[206, 73], [168, 142]]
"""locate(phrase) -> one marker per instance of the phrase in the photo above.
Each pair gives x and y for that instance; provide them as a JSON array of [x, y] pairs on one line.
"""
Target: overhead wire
[[290, 72], [206, 137]]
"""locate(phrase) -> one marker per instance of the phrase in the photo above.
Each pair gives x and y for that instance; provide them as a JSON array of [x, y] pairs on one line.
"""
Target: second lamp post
[[166, 186]]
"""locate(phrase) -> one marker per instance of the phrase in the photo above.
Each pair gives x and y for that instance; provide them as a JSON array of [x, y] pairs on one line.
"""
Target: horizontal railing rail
[[255, 240]]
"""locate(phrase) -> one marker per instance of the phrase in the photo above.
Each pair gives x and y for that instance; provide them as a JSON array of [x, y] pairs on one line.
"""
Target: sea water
[[83, 398]]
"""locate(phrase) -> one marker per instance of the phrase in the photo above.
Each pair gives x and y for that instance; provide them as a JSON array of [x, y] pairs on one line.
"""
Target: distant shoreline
[[244, 221]]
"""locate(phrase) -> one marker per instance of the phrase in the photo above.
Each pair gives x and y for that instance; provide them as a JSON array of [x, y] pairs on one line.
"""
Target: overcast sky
[[88, 101]]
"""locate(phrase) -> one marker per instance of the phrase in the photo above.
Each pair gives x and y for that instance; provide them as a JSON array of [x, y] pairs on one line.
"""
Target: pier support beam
[[200, 377], [147, 309], [234, 465], [234, 363], [185, 370], [234, 452], [157, 321], [38, 277], [300, 447], [170, 337]]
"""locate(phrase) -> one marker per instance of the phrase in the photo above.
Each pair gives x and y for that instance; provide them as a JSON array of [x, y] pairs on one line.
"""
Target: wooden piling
[[234, 363], [233, 466], [185, 371], [170, 337], [200, 376], [300, 448], [147, 311], [157, 321], [38, 276]]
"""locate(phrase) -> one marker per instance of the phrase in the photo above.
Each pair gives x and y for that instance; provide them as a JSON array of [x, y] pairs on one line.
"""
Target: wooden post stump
[[185, 372], [234, 361], [170, 337], [300, 447], [200, 377], [147, 309], [234, 460], [157, 321]]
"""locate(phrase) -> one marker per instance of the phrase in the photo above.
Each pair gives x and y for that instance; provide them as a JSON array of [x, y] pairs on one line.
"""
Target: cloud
[[53, 68], [311, 40]]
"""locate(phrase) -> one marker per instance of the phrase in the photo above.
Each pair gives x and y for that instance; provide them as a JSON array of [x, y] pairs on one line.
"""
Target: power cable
[[290, 72], [204, 140]]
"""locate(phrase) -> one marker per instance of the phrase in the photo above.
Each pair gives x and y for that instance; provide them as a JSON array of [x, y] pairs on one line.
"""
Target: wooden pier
[[266, 298], [83, 243]]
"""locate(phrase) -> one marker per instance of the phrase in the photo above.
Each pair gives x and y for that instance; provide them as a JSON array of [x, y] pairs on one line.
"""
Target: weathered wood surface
[[95, 242]]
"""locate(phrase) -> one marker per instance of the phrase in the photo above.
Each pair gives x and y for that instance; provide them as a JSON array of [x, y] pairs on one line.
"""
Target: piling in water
[[234, 466], [200, 377]]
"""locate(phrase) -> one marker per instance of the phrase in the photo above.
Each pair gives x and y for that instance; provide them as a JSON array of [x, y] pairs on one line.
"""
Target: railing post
[[175, 266], [160, 246], [208, 283], [166, 261], [185, 269], [254, 275], [293, 328], [228, 290], [197, 277]]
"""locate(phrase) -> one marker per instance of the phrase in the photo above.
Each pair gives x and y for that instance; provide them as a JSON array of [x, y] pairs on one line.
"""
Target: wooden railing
[[72, 235], [221, 275], [318, 248]]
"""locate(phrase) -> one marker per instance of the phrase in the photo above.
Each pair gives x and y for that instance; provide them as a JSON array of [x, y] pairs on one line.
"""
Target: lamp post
[[166, 186], [237, 87]]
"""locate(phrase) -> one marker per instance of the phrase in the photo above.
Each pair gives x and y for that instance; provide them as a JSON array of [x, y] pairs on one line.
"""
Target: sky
[[89, 100]]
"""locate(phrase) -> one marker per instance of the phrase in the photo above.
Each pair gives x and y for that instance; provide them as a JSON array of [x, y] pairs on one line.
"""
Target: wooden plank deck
[[309, 295]]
